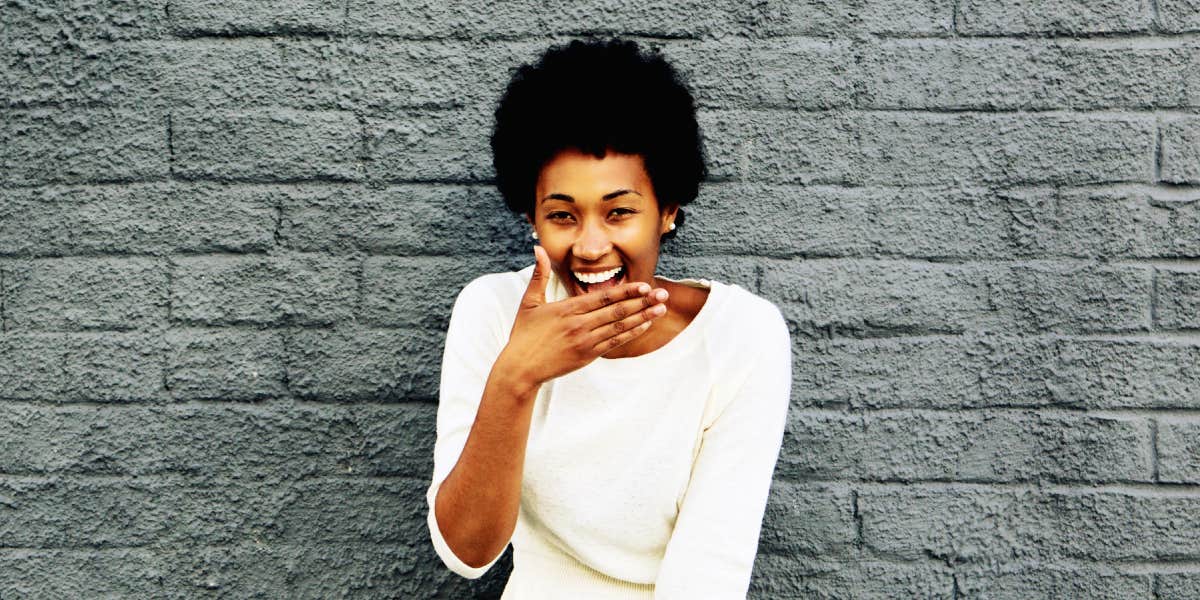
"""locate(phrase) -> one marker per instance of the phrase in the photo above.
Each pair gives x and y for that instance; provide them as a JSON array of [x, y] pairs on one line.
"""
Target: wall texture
[[231, 232]]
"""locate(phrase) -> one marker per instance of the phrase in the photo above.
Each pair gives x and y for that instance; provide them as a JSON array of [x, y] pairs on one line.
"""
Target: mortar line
[[1153, 298], [1155, 25], [3, 295], [858, 520], [1154, 450], [171, 145], [1158, 138]]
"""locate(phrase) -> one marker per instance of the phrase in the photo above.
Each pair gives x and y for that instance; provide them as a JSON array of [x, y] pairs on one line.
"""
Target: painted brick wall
[[231, 232]]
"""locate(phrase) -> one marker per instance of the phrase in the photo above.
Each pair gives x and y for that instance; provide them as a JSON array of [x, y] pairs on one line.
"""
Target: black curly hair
[[593, 96]]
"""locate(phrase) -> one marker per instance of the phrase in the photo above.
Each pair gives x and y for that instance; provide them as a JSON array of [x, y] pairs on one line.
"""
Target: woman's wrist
[[513, 379]]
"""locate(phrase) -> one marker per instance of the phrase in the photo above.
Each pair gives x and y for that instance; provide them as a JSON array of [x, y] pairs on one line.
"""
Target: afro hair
[[595, 96]]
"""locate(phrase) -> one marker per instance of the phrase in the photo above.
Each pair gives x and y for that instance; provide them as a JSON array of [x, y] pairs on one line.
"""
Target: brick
[[234, 441], [865, 577], [935, 223], [916, 148], [787, 147], [813, 17], [352, 364], [267, 145], [98, 513], [968, 525], [224, 365], [112, 367], [1178, 16], [139, 218], [1177, 295], [1047, 296], [381, 76], [980, 370], [729, 270], [456, 19], [305, 289], [75, 146], [430, 145], [1176, 228], [1100, 224], [1036, 579], [658, 19], [814, 520], [241, 17], [854, 297], [776, 220], [895, 148], [975, 446], [56, 24], [1127, 374], [1181, 151], [256, 569], [1179, 451], [85, 293], [79, 573], [31, 365], [418, 292], [406, 219], [117, 74], [889, 372], [1177, 586], [353, 511], [984, 17], [784, 73], [1029, 74]]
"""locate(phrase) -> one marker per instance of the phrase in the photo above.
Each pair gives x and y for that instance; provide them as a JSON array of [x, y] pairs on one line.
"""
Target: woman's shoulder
[[490, 287], [491, 297], [741, 310]]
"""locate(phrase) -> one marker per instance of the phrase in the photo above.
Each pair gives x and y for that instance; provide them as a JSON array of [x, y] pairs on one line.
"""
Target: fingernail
[[658, 309], [644, 288], [661, 295]]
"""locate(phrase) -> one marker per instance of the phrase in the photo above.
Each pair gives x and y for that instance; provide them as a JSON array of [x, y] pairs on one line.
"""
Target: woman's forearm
[[477, 505]]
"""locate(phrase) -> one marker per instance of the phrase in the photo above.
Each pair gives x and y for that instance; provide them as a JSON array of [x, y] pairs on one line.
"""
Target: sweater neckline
[[683, 341]]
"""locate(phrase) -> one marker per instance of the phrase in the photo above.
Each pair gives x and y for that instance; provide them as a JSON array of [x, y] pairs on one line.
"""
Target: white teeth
[[596, 277]]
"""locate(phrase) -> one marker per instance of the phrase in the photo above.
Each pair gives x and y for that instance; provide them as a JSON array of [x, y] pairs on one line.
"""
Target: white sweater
[[645, 477]]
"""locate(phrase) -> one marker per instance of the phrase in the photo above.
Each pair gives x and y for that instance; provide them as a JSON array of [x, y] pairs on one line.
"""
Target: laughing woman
[[618, 428]]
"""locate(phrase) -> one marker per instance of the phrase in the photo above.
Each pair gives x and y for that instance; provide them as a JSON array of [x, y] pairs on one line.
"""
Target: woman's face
[[594, 215]]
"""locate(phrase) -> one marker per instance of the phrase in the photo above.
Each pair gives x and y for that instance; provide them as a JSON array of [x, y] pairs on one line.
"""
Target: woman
[[619, 429]]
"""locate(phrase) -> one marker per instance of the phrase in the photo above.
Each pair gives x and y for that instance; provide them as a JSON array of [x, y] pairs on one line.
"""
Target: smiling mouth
[[590, 282]]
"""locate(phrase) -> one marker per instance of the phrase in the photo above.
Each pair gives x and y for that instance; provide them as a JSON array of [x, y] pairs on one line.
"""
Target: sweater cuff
[[443, 549]]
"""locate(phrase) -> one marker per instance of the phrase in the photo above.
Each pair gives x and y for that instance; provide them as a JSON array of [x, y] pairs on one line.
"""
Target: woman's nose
[[593, 243]]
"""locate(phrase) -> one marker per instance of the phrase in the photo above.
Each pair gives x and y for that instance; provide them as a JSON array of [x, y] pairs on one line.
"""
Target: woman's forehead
[[583, 176]]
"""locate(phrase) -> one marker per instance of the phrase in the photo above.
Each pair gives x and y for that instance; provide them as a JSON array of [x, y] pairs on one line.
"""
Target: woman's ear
[[667, 217]]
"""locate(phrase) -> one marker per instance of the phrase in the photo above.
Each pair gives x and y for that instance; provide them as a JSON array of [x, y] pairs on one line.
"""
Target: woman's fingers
[[619, 310], [621, 331], [599, 299]]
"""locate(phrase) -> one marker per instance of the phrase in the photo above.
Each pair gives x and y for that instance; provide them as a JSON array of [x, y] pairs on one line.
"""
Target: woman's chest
[[611, 457]]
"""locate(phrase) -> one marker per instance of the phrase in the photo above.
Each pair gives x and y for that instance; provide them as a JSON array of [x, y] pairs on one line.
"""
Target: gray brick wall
[[231, 231]]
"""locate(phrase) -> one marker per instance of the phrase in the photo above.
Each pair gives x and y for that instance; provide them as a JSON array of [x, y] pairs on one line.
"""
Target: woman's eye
[[559, 216], [621, 212]]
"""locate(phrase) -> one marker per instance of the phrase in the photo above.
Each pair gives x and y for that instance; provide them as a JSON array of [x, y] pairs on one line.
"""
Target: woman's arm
[[477, 504], [491, 389], [711, 551]]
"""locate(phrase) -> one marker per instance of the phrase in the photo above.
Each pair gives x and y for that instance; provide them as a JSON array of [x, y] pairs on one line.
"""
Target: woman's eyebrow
[[608, 196]]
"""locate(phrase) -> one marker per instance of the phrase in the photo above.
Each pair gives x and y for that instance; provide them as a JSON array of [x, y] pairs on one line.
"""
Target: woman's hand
[[552, 339]]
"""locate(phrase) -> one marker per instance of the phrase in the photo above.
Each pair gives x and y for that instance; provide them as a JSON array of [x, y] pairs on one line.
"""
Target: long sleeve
[[474, 339], [711, 551]]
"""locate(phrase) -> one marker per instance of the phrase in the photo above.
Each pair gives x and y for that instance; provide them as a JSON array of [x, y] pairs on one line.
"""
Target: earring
[[672, 228], [533, 234]]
